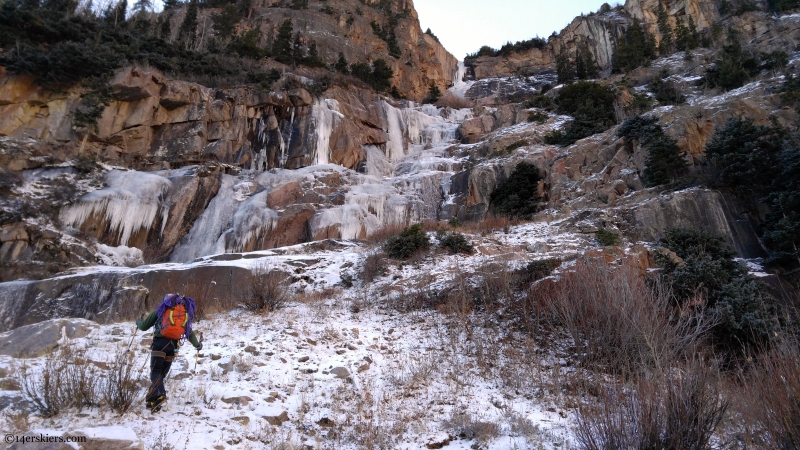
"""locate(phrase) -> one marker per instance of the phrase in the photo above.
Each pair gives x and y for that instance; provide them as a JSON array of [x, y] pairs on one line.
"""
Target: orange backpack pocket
[[173, 324]]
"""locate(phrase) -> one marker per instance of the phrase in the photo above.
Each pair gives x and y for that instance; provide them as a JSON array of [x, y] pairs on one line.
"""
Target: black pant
[[163, 351]]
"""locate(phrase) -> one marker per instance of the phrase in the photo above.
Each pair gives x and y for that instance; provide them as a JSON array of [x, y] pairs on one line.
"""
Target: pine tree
[[225, 22], [282, 46], [635, 49], [298, 52], [564, 68], [682, 36], [586, 67], [341, 65], [142, 6], [314, 59], [694, 35], [188, 30], [667, 44], [434, 93], [170, 4], [165, 29], [664, 162], [116, 16]]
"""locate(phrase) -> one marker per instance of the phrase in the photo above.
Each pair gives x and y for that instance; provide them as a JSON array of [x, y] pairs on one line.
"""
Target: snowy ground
[[350, 371]]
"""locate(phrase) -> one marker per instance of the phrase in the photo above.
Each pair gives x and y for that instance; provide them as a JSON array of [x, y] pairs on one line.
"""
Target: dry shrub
[[375, 265], [773, 407], [66, 380], [121, 386], [618, 321], [268, 290], [490, 224], [450, 100], [466, 426], [680, 411]]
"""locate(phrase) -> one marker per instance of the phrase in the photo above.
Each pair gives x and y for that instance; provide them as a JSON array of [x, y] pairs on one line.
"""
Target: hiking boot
[[155, 405]]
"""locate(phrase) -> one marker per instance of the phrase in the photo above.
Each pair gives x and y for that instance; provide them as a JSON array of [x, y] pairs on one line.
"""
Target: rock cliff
[[600, 32]]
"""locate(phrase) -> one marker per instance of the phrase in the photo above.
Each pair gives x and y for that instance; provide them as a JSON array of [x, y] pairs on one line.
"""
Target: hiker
[[173, 321]]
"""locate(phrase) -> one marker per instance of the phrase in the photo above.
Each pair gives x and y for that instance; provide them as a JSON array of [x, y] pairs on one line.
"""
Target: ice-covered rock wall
[[131, 202]]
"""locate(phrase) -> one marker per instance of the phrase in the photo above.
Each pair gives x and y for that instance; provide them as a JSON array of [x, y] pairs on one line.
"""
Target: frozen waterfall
[[131, 201]]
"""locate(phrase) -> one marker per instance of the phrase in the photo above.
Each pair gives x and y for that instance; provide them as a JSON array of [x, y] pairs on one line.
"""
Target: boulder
[[277, 419], [13, 232], [340, 372], [31, 341]]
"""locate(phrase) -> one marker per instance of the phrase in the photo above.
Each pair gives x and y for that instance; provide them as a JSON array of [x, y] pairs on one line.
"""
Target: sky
[[463, 26]]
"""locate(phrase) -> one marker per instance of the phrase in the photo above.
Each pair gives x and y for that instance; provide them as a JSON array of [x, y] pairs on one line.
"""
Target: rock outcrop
[[599, 32], [345, 26]]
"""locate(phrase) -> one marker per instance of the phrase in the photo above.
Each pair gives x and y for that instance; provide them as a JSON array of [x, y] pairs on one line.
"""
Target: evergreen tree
[[564, 68], [745, 155], [667, 44], [164, 27], [694, 35], [434, 93], [783, 5], [381, 75], [682, 37], [665, 160], [635, 49], [298, 52], [314, 59], [225, 22], [115, 16], [188, 30], [170, 4], [394, 48], [142, 6], [586, 67], [282, 46], [518, 195], [341, 65]]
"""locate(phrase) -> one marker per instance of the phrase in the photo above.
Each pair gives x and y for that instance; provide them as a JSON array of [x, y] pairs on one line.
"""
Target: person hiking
[[173, 322]]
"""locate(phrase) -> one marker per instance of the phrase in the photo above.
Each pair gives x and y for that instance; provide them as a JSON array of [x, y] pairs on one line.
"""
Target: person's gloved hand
[[139, 323], [199, 346]]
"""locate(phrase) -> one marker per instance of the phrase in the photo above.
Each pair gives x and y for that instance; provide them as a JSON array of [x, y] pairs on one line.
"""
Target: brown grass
[[489, 224], [450, 100]]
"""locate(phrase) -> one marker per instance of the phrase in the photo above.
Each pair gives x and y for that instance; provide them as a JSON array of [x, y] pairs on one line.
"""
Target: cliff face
[[704, 12], [599, 32], [344, 26]]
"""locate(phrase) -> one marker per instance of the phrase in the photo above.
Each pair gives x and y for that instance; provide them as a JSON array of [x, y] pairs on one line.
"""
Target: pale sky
[[463, 26]]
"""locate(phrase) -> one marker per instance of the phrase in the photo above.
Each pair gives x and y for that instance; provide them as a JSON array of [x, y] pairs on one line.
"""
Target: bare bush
[[618, 322], [681, 411], [773, 406], [466, 426], [375, 265], [121, 386], [268, 290], [490, 224], [65, 380]]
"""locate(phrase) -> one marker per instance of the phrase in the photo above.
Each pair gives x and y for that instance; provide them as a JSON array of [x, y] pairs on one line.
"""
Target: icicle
[[288, 142], [252, 220], [131, 202], [325, 114]]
